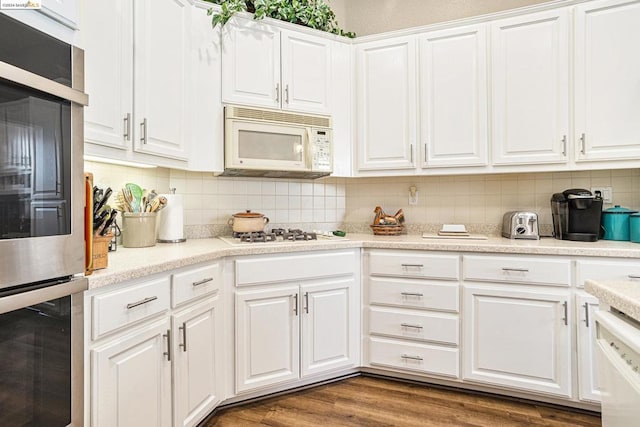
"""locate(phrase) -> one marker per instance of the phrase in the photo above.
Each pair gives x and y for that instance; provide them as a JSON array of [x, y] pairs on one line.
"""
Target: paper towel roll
[[171, 220]]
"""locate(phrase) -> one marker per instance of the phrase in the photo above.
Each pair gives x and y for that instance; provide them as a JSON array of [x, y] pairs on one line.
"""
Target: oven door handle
[[43, 84], [37, 296]]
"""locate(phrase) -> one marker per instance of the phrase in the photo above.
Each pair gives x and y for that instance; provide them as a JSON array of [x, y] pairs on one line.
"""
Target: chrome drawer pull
[[633, 276], [406, 356], [586, 314], [141, 302], [412, 265], [408, 325], [203, 281], [519, 270], [411, 294]]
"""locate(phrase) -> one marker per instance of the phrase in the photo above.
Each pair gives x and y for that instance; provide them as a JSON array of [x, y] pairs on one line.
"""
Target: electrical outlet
[[605, 192], [413, 200]]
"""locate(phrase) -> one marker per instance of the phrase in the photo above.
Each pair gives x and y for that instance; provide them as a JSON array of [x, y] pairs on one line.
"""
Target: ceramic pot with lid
[[634, 228], [248, 222], [615, 222]]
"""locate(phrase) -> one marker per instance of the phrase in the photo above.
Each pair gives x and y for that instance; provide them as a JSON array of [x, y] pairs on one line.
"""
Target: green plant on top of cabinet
[[607, 80], [265, 66]]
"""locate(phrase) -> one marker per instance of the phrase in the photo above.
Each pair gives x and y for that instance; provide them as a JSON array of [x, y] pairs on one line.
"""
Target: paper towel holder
[[171, 230]]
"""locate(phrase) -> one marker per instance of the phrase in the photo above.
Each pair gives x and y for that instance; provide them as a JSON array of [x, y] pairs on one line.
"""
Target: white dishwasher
[[619, 364]]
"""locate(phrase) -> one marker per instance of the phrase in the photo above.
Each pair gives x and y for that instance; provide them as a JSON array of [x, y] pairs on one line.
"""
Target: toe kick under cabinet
[[412, 315], [153, 355], [297, 316]]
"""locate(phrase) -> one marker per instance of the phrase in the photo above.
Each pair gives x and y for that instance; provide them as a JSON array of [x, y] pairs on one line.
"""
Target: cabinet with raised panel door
[[296, 323], [588, 380], [607, 80], [530, 88], [267, 66]]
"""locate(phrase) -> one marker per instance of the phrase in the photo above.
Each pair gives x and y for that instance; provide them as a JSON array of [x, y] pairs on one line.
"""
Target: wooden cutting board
[[470, 237]]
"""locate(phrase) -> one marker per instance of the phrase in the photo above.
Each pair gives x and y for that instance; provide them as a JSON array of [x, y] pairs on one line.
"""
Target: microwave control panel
[[321, 150]]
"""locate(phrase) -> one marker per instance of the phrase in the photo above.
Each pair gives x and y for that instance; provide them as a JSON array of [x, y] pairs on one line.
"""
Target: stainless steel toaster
[[520, 225]]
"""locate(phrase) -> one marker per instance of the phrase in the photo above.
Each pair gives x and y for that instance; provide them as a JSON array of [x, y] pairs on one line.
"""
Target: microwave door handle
[[307, 151]]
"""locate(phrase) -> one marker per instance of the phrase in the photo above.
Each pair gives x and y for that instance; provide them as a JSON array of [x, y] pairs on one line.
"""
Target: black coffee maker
[[576, 215]]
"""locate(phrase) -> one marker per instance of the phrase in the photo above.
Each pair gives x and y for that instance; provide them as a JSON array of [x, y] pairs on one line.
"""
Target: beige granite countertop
[[132, 263], [621, 294]]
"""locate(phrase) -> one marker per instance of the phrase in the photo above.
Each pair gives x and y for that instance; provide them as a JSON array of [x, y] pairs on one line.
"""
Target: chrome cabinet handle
[[278, 92], [582, 143], [406, 356], [127, 127], [425, 152], [141, 302], [633, 276], [564, 145], [168, 352], [202, 282], [183, 328], [566, 313], [408, 325], [306, 302], [518, 270], [411, 294], [411, 153], [412, 265], [586, 314], [295, 303], [286, 94], [143, 131]]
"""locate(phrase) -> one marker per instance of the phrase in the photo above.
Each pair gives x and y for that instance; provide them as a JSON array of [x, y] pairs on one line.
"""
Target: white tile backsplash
[[337, 202]]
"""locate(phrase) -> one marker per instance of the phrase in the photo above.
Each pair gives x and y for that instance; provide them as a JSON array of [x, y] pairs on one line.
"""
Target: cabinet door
[[588, 381], [131, 379], [386, 104], [530, 96], [251, 63], [267, 340], [453, 97], [306, 72], [330, 333], [162, 74], [607, 80], [108, 62], [195, 366], [517, 336]]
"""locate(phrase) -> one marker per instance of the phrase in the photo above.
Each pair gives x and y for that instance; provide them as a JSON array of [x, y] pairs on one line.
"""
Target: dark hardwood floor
[[368, 401]]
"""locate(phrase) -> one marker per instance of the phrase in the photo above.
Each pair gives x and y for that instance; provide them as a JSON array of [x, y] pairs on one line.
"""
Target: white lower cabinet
[[588, 381], [518, 336], [131, 379], [155, 365], [297, 327]]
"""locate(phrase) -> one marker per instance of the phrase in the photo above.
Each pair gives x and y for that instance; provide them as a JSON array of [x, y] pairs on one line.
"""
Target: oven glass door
[[35, 163], [35, 368]]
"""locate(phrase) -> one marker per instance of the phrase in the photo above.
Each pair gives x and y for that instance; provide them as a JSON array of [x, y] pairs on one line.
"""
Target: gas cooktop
[[278, 236]]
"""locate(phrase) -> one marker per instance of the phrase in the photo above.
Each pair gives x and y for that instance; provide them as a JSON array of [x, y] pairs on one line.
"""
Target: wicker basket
[[387, 230]]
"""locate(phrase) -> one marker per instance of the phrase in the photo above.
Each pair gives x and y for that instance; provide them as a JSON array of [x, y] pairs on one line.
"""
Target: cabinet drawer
[[414, 293], [517, 270], [288, 267], [119, 308], [414, 264], [399, 323], [195, 282], [429, 359], [606, 270]]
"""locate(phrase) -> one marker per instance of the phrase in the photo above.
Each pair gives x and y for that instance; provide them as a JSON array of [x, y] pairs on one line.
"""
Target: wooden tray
[[387, 230]]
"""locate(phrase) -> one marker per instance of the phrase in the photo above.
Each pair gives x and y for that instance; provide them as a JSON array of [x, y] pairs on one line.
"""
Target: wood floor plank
[[379, 402]]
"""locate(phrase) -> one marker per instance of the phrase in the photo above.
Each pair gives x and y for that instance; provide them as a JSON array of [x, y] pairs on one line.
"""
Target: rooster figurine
[[382, 218]]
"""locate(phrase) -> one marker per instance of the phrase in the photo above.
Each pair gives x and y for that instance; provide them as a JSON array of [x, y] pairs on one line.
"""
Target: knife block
[[101, 251]]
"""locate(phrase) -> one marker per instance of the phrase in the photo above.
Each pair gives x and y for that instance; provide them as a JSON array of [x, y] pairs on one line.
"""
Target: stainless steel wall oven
[[42, 202]]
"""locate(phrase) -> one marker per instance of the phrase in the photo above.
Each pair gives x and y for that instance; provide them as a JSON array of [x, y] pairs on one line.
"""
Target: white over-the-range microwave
[[276, 144]]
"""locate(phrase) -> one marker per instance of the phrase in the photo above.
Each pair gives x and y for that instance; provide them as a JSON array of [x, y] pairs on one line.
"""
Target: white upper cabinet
[[530, 88], [607, 80], [161, 75], [386, 104], [453, 97], [265, 66]]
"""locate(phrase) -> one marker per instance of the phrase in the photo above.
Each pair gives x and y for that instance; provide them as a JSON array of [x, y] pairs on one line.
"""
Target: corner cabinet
[[607, 80], [453, 97], [386, 104], [530, 95], [296, 317], [265, 66]]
